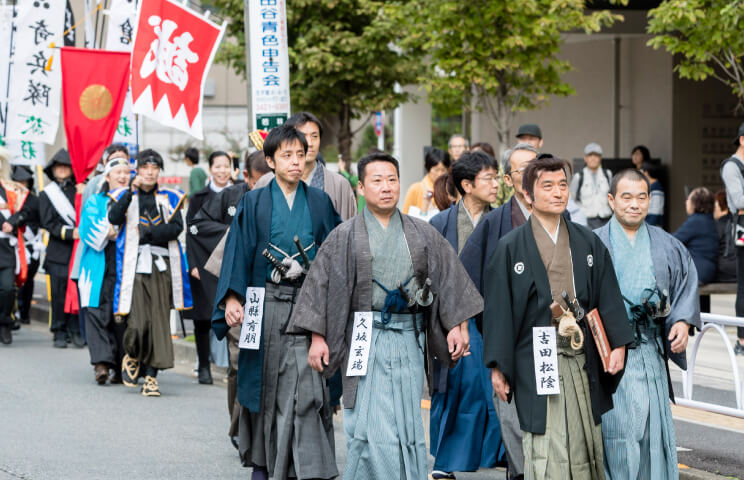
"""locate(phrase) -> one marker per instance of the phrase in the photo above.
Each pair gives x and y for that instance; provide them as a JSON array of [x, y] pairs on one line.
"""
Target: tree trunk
[[344, 133], [467, 112]]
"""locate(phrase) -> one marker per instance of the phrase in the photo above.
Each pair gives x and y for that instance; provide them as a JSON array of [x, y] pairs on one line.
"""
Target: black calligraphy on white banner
[[250, 332], [361, 339], [544, 348]]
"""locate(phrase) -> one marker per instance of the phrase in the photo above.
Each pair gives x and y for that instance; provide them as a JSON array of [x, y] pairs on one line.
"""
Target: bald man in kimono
[[540, 280], [365, 304], [659, 282], [286, 427]]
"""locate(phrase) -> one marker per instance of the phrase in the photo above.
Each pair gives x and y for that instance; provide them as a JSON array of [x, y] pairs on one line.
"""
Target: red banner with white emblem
[[172, 53]]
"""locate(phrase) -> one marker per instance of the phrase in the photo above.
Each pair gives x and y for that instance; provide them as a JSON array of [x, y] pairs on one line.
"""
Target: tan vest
[[556, 258]]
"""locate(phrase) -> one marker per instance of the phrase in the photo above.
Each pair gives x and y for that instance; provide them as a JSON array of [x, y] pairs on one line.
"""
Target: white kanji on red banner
[[173, 50]]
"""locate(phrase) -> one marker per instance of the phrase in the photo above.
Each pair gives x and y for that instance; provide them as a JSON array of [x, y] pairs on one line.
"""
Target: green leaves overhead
[[706, 36]]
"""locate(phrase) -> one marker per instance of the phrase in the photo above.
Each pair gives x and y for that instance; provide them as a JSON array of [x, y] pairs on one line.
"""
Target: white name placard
[[361, 339], [250, 332], [545, 352]]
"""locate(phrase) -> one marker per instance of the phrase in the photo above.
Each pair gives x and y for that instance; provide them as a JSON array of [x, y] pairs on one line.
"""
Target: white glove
[[294, 269]]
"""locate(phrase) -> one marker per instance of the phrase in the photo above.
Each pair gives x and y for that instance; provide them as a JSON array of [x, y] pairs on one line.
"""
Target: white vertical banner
[[122, 18], [545, 352], [34, 101], [90, 26], [23, 152], [269, 63], [6, 28]]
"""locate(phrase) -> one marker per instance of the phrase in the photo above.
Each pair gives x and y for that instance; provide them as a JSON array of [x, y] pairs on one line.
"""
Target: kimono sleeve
[[94, 225], [499, 325], [684, 300], [311, 309], [51, 221]]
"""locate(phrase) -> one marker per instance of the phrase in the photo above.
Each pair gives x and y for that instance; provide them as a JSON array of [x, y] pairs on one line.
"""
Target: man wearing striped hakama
[[659, 285], [533, 269], [365, 292]]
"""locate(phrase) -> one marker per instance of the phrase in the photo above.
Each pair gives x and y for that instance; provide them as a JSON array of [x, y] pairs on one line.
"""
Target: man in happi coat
[[658, 281], [534, 267], [365, 291], [465, 433], [151, 270], [286, 427], [474, 254]]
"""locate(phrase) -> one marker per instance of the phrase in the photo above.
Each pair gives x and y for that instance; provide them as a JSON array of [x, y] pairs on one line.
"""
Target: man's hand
[[7, 228], [136, 182], [112, 233], [465, 337], [678, 335], [500, 385], [195, 273], [318, 356], [617, 360], [79, 188], [233, 311], [456, 344], [75, 234]]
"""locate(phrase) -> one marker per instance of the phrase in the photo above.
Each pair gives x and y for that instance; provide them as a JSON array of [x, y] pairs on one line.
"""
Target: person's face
[[312, 135], [531, 140], [637, 158], [689, 206], [61, 172], [485, 187], [550, 193], [288, 162], [119, 176], [630, 202], [220, 170], [436, 171], [381, 187], [519, 160], [457, 147], [149, 173], [592, 161]]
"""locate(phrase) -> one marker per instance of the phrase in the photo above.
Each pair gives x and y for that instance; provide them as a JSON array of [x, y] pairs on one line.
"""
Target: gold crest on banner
[[96, 102]]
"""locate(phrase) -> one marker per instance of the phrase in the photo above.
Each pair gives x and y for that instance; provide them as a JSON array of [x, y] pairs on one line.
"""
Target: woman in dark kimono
[[220, 168]]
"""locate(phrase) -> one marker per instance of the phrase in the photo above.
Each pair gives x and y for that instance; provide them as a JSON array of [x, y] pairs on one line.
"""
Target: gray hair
[[506, 158], [458, 135]]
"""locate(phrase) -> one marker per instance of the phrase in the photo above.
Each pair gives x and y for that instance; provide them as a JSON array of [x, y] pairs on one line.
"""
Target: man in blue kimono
[[479, 247], [464, 427], [286, 427], [658, 282]]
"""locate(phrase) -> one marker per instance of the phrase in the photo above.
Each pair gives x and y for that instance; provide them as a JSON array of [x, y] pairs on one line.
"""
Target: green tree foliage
[[502, 53], [342, 63], [707, 37]]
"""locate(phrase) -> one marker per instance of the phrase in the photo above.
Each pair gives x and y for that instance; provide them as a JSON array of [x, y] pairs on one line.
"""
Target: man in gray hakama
[[377, 262], [652, 267]]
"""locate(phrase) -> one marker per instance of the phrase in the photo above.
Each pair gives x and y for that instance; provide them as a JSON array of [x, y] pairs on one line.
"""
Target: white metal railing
[[716, 323]]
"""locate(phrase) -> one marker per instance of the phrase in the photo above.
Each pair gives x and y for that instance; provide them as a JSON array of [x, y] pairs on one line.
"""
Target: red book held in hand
[[594, 321]]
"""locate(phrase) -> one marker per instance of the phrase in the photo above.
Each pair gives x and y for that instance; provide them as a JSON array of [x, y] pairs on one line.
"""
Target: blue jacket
[[700, 235], [446, 223]]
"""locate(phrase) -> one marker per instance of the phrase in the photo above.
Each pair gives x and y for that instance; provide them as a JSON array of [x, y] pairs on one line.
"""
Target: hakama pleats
[[385, 430], [571, 447], [638, 433]]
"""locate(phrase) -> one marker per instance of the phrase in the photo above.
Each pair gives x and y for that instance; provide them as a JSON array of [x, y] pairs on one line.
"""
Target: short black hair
[[631, 174], [484, 147], [112, 149], [218, 153], [149, 155], [192, 154], [375, 157], [702, 200], [469, 166], [545, 162], [299, 119], [256, 162], [282, 134], [434, 156], [644, 152], [654, 170]]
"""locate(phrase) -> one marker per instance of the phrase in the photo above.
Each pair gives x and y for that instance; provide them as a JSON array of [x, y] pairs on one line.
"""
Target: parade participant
[[365, 292], [286, 427], [536, 266], [97, 276], [465, 433], [151, 270], [57, 210], [197, 176], [12, 250], [659, 286], [33, 239], [315, 174], [419, 198], [474, 255], [220, 168]]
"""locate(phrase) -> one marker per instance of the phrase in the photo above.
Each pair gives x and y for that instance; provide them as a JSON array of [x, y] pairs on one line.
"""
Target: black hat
[[741, 134], [149, 156], [59, 158], [529, 129], [21, 174]]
